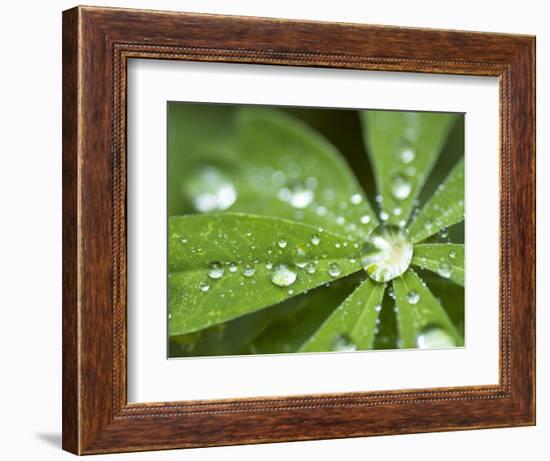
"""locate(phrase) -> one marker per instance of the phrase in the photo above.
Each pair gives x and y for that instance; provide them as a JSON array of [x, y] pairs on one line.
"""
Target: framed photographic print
[[284, 230]]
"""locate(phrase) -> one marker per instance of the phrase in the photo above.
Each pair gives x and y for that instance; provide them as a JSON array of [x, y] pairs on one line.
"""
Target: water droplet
[[452, 254], [378, 308], [215, 270], [397, 211], [384, 216], [290, 291], [444, 269], [249, 270], [268, 265], [204, 287], [281, 243], [282, 275], [356, 199], [343, 343], [310, 268], [321, 210], [391, 294], [379, 198], [334, 270], [444, 232], [387, 253], [340, 220], [232, 267], [209, 189], [315, 239], [401, 187], [413, 297], [407, 154], [184, 240], [365, 219], [434, 338], [298, 195], [338, 244]]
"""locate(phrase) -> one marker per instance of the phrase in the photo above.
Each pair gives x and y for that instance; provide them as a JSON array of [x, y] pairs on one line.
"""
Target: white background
[[153, 378], [30, 243]]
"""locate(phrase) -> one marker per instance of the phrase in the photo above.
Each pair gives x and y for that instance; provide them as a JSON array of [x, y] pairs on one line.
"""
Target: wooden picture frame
[[97, 44]]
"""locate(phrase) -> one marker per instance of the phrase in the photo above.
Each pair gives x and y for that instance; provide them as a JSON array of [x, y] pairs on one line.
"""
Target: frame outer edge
[[70, 210], [92, 421]]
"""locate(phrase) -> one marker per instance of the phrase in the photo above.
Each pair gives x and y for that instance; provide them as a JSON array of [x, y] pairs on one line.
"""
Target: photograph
[[313, 230]]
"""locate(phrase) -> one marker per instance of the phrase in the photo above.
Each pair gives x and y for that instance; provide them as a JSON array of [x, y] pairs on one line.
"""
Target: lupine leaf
[[445, 259], [292, 165], [289, 331], [445, 207], [256, 246], [421, 320], [275, 164], [353, 324], [403, 147]]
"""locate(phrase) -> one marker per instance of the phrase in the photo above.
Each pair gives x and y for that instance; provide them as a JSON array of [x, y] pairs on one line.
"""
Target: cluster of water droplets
[[404, 175], [305, 258]]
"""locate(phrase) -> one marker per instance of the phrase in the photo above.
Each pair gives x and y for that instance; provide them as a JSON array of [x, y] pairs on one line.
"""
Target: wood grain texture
[[97, 43]]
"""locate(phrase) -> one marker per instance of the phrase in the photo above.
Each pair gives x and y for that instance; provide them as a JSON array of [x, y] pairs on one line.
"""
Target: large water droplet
[[310, 268], [343, 343], [215, 271], [407, 154], [413, 297], [356, 199], [365, 219], [204, 286], [248, 270], [315, 239], [434, 338], [387, 253], [444, 269], [401, 187], [209, 189], [282, 275], [281, 243], [298, 195], [334, 270]]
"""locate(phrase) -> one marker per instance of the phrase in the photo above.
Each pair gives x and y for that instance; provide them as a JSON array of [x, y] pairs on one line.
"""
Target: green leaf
[[421, 320], [221, 266], [403, 147], [450, 296], [288, 332], [353, 324], [279, 166], [445, 259], [234, 337], [445, 207]]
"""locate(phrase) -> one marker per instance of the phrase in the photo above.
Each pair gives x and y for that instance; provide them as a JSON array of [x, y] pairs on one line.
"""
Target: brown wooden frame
[[97, 43]]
